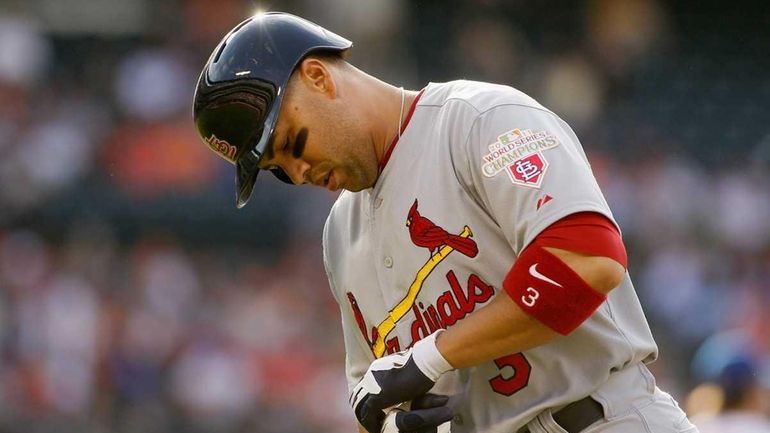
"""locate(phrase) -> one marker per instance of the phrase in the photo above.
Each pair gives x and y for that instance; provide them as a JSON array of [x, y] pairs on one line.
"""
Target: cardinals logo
[[440, 243], [426, 234]]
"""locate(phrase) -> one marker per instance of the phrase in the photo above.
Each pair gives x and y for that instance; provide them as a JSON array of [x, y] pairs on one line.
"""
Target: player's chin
[[354, 178], [350, 181], [355, 186], [354, 189]]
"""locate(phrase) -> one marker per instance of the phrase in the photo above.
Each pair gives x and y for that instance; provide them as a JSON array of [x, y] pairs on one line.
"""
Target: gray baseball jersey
[[483, 169]]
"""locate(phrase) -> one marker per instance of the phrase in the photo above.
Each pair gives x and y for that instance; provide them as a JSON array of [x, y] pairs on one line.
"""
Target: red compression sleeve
[[550, 291], [585, 232]]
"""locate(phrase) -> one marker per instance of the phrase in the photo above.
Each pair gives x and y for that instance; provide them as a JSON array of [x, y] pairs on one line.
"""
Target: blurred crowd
[[135, 298]]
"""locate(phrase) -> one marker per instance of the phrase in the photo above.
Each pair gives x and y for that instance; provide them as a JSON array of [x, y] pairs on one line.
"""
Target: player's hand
[[426, 414], [395, 379]]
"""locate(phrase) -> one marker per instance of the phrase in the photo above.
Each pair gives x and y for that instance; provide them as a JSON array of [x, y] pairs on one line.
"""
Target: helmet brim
[[245, 178], [247, 166]]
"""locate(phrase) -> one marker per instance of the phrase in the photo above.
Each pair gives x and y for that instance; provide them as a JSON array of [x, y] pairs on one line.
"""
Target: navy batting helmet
[[240, 90]]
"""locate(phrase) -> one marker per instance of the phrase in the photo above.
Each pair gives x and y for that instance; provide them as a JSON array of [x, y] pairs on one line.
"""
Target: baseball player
[[480, 274]]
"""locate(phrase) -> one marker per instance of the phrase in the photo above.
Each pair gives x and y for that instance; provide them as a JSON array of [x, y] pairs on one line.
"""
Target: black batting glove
[[399, 378], [427, 414]]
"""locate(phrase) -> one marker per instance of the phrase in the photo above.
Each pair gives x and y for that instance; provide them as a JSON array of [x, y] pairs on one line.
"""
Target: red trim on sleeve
[[587, 233], [386, 157]]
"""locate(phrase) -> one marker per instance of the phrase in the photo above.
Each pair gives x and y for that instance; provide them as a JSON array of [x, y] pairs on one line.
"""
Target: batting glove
[[426, 414], [398, 378]]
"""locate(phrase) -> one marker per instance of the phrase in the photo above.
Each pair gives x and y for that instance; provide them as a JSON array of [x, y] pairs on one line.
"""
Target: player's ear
[[317, 75]]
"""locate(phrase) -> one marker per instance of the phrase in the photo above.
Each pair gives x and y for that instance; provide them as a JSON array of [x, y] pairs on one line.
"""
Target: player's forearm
[[498, 329], [503, 328]]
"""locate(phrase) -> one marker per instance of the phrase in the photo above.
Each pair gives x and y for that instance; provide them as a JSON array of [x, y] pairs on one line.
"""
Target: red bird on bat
[[425, 233]]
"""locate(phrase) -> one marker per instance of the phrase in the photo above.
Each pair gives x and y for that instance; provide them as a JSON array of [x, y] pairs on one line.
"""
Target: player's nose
[[298, 171]]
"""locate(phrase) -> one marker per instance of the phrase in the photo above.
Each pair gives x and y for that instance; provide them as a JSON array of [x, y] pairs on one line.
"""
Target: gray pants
[[632, 404]]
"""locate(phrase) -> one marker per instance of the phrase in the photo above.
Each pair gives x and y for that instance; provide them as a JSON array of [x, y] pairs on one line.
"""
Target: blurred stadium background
[[134, 297]]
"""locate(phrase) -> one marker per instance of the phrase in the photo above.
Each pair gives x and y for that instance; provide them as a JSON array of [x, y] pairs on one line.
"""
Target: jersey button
[[458, 419], [388, 262]]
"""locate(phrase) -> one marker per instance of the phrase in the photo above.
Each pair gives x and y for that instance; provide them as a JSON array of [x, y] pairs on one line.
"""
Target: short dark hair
[[331, 56]]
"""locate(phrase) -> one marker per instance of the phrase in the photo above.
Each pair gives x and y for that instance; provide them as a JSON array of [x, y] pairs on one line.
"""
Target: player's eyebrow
[[297, 149], [299, 143]]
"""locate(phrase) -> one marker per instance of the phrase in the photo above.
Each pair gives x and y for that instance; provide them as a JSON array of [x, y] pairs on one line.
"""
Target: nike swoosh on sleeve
[[533, 271]]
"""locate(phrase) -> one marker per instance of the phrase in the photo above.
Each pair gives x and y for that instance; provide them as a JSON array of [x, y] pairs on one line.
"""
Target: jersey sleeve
[[357, 355], [526, 170]]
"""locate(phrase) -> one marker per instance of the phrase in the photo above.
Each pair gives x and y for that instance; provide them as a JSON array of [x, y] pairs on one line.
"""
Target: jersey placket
[[385, 262], [386, 221], [378, 223]]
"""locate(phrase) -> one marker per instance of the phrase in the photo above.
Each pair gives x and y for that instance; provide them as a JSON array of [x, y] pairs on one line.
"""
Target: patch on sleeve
[[519, 152]]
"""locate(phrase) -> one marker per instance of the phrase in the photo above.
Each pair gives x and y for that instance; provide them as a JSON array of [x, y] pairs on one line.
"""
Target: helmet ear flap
[[281, 175]]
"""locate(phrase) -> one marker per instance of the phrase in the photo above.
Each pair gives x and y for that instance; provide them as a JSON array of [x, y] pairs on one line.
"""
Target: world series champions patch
[[519, 152]]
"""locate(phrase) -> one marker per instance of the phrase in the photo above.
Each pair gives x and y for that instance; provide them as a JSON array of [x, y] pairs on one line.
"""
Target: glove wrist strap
[[428, 358]]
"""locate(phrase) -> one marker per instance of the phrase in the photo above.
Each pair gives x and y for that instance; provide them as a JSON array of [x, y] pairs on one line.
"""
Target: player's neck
[[381, 106]]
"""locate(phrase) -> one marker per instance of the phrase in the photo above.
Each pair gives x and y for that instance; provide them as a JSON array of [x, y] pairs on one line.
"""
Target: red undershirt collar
[[386, 157]]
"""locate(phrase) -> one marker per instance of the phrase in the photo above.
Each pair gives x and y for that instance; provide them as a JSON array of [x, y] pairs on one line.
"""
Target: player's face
[[319, 140]]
